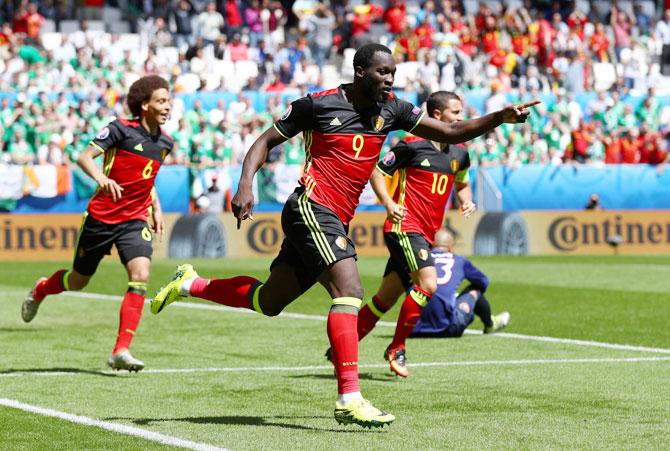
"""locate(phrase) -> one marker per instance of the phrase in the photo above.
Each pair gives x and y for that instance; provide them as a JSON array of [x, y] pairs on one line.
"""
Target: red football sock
[[367, 318], [53, 285], [233, 292], [410, 312], [131, 312], [344, 343]]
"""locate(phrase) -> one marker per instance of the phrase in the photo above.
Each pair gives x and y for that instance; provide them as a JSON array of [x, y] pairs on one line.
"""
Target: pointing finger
[[529, 104]]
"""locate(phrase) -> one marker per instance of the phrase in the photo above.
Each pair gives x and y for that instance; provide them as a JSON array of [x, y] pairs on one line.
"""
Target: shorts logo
[[146, 234], [454, 166], [377, 123], [341, 242], [389, 159], [82, 252], [287, 113], [464, 306], [423, 254], [103, 134]]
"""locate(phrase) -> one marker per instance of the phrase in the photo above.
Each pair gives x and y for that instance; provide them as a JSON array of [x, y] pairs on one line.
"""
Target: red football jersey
[[342, 143], [427, 176], [132, 159]]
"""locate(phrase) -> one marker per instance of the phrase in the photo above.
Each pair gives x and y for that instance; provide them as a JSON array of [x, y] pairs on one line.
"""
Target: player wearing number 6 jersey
[[344, 129], [118, 211]]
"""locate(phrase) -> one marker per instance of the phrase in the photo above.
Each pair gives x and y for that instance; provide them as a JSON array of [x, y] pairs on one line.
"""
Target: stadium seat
[[49, 26], [604, 76], [168, 54], [110, 14], [129, 41], [189, 81], [347, 68], [120, 26], [96, 25], [51, 41], [245, 69], [69, 26]]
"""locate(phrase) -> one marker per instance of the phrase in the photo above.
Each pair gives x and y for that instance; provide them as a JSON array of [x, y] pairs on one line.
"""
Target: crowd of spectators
[[70, 85]]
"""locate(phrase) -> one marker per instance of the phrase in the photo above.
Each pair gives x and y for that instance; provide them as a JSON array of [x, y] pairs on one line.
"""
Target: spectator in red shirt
[[600, 44], [612, 149], [581, 140], [424, 33], [233, 18], [630, 146], [490, 36], [395, 16], [20, 22], [237, 50]]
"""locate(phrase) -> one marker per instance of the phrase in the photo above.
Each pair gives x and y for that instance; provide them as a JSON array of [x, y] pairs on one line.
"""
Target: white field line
[[114, 427], [588, 343], [288, 369]]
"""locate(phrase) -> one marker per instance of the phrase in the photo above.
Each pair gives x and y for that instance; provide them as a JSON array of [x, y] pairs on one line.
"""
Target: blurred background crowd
[[601, 68]]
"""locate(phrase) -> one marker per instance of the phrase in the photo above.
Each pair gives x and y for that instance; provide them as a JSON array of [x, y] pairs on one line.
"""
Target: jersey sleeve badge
[[454, 166], [287, 113], [103, 134], [389, 158]]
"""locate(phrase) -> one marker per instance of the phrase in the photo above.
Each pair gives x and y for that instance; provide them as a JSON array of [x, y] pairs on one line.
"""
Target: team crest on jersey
[[389, 159], [287, 113], [341, 242], [423, 254], [377, 123], [102, 134], [454, 166]]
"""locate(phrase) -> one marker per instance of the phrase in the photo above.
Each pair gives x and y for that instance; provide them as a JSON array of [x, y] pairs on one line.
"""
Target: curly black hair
[[363, 56], [141, 92]]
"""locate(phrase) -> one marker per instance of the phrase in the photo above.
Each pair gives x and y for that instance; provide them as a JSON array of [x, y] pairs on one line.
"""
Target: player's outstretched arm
[[243, 201], [86, 163], [464, 193], [459, 132]]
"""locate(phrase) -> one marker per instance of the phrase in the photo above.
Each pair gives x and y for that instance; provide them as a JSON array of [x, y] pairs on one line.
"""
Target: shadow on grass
[[250, 421], [56, 370]]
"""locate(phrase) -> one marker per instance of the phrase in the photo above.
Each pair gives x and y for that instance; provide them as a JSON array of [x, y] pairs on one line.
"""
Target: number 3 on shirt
[[148, 170], [357, 144]]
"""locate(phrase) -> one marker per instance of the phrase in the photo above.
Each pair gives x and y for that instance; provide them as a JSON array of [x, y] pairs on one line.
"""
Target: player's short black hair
[[438, 100], [363, 56], [141, 91]]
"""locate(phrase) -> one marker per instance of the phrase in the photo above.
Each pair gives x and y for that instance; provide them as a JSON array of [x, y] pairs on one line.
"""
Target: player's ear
[[436, 113], [145, 106], [359, 71]]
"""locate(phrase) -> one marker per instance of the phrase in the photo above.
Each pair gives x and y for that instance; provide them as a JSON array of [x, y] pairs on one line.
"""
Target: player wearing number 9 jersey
[[343, 129], [118, 211]]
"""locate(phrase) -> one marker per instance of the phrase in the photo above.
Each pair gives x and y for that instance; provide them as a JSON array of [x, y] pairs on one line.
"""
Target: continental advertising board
[[53, 237]]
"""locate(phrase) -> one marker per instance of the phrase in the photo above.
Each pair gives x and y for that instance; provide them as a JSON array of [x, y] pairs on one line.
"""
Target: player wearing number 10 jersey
[[118, 211], [343, 129]]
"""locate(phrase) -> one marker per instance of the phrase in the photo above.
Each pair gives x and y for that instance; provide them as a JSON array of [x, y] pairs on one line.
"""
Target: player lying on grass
[[447, 313], [118, 211], [344, 129]]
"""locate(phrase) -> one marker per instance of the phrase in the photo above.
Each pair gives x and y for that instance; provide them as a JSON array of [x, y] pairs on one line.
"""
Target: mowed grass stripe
[[109, 426], [287, 369]]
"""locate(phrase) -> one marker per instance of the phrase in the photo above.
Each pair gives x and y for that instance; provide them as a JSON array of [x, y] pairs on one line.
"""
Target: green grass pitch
[[227, 379]]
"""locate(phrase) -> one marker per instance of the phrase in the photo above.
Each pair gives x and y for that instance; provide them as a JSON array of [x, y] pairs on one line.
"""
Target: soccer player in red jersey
[[344, 129], [428, 171], [118, 211]]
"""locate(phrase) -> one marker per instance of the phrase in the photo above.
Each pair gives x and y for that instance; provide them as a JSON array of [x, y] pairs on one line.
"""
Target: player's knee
[[77, 284], [428, 286], [270, 309], [140, 275]]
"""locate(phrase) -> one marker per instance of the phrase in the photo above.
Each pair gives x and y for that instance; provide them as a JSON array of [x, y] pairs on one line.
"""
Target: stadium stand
[[597, 66]]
